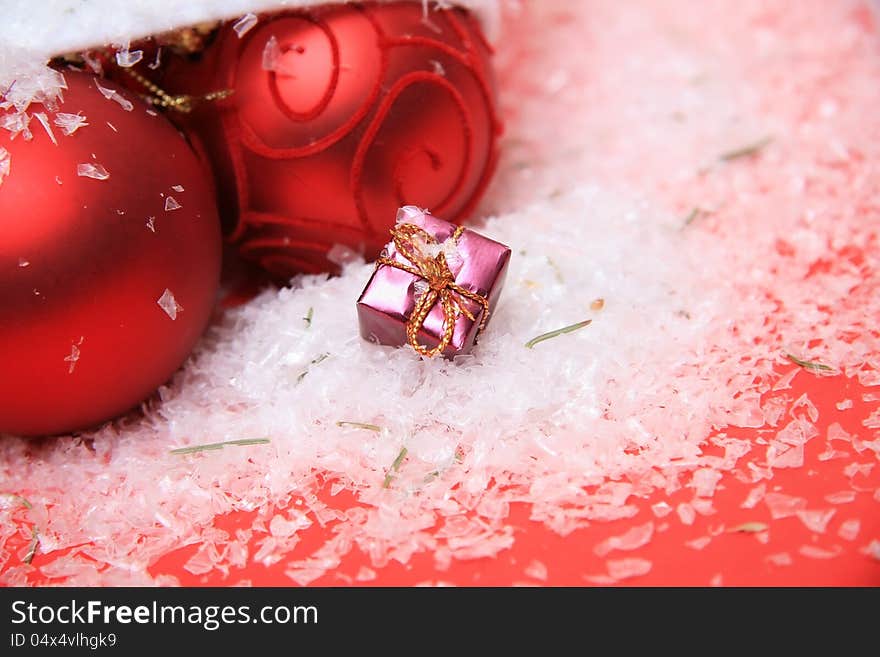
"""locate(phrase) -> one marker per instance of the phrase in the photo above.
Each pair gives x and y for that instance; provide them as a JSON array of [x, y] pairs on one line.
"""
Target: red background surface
[[730, 559]]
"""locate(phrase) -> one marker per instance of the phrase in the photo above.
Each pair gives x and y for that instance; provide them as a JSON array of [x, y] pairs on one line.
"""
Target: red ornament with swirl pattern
[[338, 116]]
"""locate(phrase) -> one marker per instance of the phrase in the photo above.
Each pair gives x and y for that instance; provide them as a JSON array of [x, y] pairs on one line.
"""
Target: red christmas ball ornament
[[338, 116], [109, 258]]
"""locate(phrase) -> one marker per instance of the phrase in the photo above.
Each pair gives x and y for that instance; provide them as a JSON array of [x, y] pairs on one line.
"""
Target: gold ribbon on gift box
[[410, 240]]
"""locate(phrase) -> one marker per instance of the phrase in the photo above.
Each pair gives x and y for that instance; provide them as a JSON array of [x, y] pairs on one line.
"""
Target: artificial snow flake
[[44, 121], [632, 539], [849, 529], [274, 59], [89, 170], [784, 506], [698, 543], [94, 64], [780, 559], [17, 123], [831, 453], [73, 358], [815, 521], [70, 123], [365, 574], [536, 570], [43, 85], [151, 223], [171, 204], [157, 61], [784, 455], [815, 552], [873, 420], [755, 495], [5, 160], [841, 497], [854, 469], [271, 54], [686, 513], [704, 481], [244, 24], [837, 432], [115, 96], [626, 568], [169, 304], [177, 188], [127, 58]]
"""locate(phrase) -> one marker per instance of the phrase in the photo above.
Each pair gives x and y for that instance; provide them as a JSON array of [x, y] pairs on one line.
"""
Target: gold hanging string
[[408, 239], [181, 102]]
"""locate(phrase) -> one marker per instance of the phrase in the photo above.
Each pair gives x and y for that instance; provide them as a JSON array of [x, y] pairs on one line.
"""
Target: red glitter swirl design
[[291, 113]]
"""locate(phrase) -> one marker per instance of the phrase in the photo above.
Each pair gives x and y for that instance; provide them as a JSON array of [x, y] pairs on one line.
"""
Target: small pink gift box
[[435, 286]]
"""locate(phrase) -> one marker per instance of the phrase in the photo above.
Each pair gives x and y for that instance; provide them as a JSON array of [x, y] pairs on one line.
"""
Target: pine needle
[[359, 425], [389, 477], [209, 447], [809, 365], [32, 548], [552, 334], [696, 214], [308, 318], [18, 498], [745, 151], [396, 465], [749, 528], [555, 269], [317, 360]]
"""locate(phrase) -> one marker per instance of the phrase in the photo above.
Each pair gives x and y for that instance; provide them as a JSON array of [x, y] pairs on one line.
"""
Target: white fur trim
[[32, 32]]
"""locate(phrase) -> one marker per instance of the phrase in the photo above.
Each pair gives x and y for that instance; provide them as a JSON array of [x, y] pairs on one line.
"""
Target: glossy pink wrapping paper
[[388, 300]]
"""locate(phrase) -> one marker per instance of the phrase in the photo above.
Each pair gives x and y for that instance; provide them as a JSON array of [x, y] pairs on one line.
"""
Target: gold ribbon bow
[[441, 285]]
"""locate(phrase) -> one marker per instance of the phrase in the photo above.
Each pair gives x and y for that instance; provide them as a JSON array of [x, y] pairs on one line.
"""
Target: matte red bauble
[[109, 259], [339, 115]]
